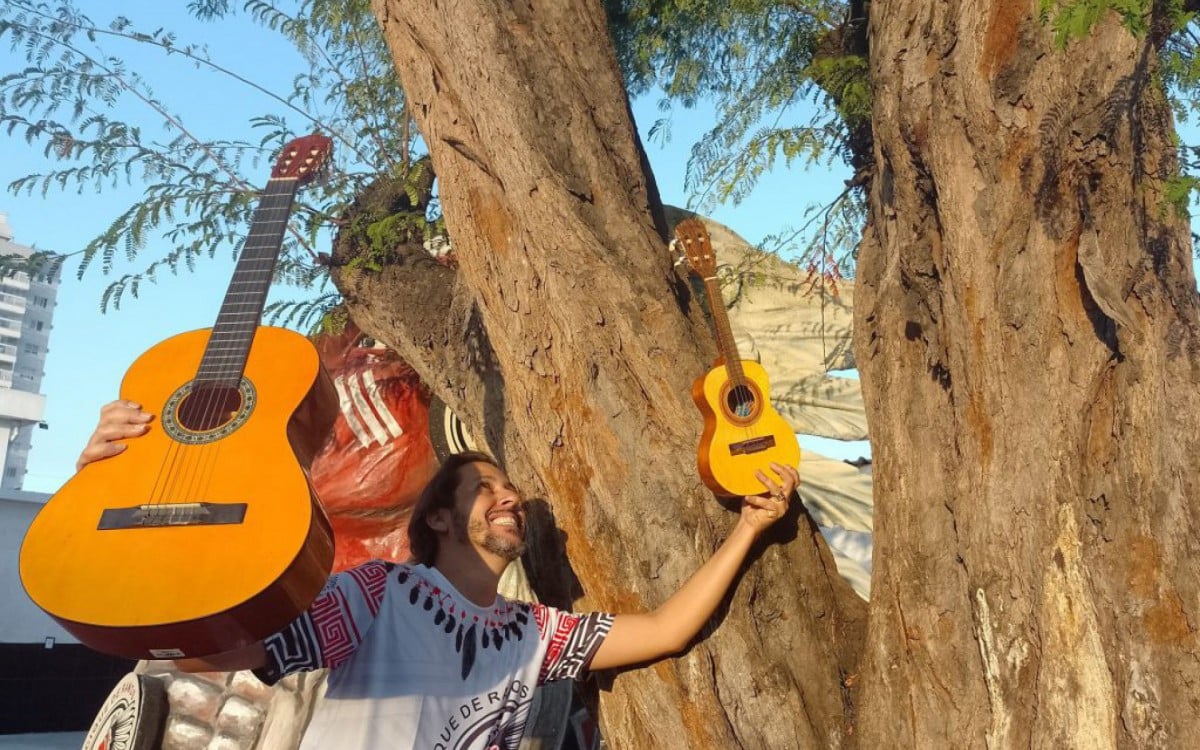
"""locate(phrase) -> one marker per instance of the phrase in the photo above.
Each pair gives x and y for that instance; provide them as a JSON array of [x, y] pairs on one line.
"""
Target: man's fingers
[[119, 420], [772, 487], [96, 451], [772, 507], [123, 411], [758, 501], [120, 405], [787, 473], [119, 430], [104, 450]]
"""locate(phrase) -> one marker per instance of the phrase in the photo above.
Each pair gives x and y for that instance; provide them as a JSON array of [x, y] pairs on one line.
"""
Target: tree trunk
[[593, 343], [1028, 338]]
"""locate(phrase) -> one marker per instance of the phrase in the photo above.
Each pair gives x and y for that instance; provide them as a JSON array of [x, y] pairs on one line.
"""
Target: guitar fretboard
[[725, 340], [229, 345]]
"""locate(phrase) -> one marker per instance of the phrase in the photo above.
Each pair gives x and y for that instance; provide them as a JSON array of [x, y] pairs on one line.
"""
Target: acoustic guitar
[[205, 534], [742, 431]]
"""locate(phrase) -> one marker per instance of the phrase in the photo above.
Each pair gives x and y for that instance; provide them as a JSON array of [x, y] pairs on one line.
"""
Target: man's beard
[[467, 529]]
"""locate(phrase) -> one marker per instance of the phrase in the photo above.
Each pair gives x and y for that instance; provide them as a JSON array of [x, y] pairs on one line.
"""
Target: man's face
[[489, 512]]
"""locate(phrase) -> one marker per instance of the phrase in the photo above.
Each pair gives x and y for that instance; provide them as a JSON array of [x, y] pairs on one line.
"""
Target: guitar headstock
[[693, 235], [303, 158]]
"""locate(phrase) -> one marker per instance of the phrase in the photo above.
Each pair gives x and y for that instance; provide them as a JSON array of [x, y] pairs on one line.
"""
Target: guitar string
[[227, 388], [213, 395], [181, 452], [739, 399], [188, 468]]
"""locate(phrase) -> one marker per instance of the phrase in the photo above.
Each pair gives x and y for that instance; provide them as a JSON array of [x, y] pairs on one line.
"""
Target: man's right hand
[[119, 420]]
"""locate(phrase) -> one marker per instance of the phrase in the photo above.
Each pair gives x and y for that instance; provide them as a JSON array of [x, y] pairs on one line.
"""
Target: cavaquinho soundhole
[[742, 401], [206, 412]]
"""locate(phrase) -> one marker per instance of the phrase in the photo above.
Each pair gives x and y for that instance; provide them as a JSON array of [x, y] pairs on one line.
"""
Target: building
[[26, 314], [48, 681]]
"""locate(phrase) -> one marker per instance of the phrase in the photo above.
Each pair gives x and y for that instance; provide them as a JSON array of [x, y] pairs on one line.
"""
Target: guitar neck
[[725, 342], [229, 345]]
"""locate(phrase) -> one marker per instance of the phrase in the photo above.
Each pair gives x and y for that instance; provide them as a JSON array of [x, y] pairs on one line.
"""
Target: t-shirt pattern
[[414, 664]]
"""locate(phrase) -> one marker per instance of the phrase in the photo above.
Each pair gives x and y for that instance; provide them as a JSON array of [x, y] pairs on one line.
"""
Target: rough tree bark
[[583, 342], [1029, 344]]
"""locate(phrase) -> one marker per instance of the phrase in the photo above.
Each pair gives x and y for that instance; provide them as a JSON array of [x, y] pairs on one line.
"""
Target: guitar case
[[132, 718]]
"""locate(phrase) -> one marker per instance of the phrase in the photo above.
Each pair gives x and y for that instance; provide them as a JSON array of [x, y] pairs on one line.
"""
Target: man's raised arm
[[638, 638]]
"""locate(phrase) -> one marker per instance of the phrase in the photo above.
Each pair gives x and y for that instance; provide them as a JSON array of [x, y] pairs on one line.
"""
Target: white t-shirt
[[414, 664]]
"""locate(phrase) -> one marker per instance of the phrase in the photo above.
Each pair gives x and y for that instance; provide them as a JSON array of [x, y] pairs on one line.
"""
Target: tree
[[1028, 345], [583, 344], [67, 101], [1024, 282]]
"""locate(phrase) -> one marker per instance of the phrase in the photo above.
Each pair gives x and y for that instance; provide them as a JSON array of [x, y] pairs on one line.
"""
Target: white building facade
[[49, 682], [26, 315], [22, 621]]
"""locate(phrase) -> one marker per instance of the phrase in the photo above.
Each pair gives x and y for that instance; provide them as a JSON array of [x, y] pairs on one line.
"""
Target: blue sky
[[89, 352]]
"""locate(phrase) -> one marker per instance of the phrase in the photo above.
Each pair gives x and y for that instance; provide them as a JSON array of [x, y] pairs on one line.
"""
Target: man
[[427, 655]]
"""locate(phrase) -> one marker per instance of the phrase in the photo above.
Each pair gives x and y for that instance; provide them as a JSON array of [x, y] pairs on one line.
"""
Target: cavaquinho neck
[[725, 341]]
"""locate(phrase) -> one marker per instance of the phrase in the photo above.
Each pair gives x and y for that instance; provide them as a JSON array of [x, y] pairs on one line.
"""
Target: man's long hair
[[439, 493]]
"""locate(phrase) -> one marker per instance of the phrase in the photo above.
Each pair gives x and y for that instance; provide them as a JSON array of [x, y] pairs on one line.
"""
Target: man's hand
[[760, 511], [119, 420]]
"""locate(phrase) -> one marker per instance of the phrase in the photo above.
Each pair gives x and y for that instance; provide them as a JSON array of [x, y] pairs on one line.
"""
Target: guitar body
[[742, 431], [194, 540]]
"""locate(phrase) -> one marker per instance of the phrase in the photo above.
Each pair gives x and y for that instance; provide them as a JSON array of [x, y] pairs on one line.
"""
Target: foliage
[[1180, 65], [1174, 26], [788, 81], [323, 313], [1074, 19], [828, 237], [85, 108], [1179, 191]]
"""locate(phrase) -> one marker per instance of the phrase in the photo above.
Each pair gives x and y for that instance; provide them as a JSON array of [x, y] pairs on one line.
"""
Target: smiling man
[[426, 654]]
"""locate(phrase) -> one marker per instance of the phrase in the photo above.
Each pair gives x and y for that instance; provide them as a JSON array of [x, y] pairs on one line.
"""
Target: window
[[31, 349], [40, 301], [38, 325], [10, 471]]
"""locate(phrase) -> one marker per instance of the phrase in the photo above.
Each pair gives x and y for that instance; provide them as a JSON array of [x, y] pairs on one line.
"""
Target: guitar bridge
[[755, 445], [172, 514]]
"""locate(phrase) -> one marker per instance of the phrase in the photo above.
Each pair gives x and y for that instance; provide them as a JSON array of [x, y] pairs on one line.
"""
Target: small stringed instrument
[[742, 431], [205, 534]]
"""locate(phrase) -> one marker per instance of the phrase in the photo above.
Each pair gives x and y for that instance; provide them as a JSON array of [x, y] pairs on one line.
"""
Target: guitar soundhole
[[200, 413], [740, 402], [206, 409]]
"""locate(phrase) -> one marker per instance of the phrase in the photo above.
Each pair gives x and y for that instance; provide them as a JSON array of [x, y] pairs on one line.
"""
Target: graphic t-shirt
[[414, 664]]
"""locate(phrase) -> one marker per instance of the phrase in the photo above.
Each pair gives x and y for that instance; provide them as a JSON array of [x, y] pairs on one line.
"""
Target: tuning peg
[[674, 249]]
